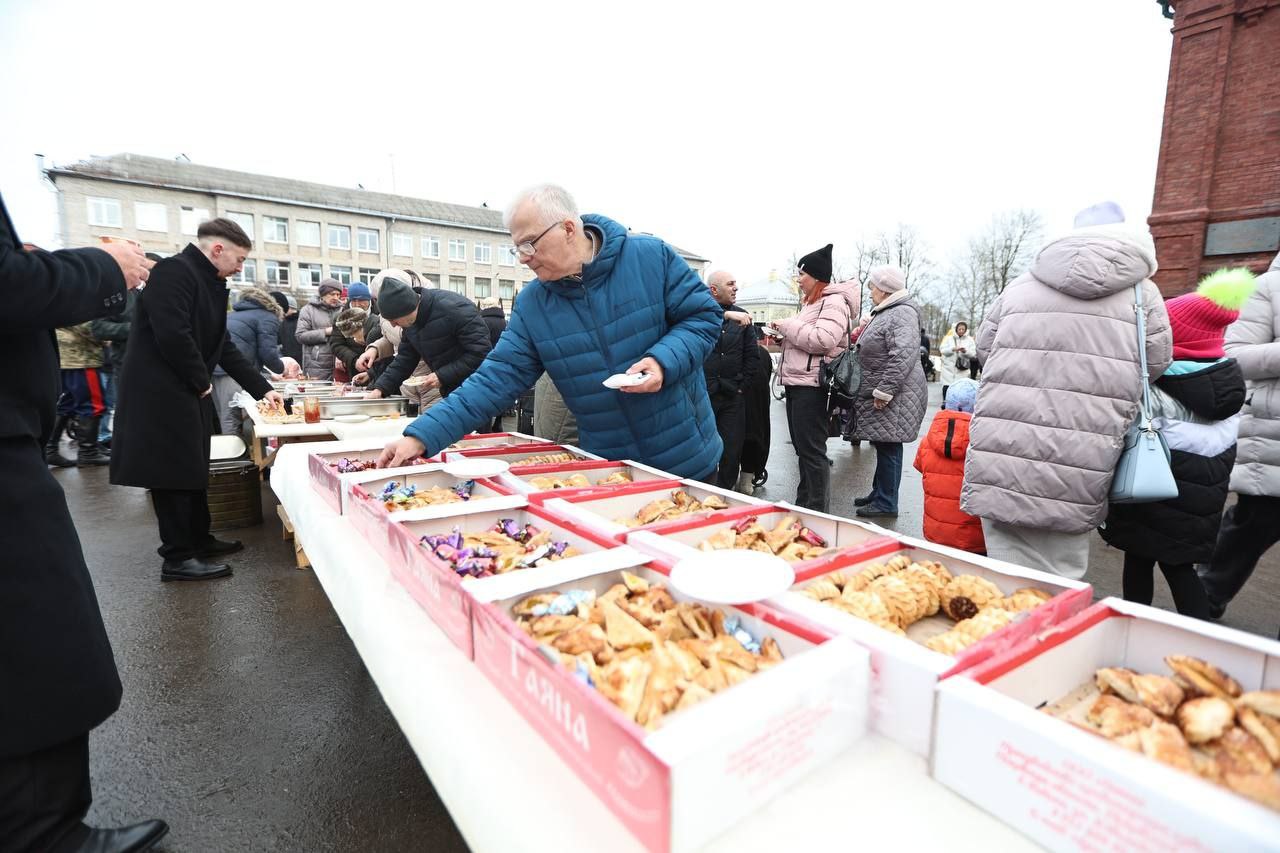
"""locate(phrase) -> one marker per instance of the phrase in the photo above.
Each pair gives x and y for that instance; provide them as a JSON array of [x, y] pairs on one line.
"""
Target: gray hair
[[553, 202]]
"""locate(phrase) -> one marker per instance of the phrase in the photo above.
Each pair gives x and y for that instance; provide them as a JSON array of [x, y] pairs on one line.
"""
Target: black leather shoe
[[193, 569], [874, 512], [220, 547], [126, 839], [862, 501]]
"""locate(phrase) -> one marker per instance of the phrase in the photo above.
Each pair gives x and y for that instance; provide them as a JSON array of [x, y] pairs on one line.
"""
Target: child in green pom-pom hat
[[1196, 405]]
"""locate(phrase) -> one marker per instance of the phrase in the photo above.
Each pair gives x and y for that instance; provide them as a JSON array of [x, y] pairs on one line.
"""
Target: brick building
[[302, 232], [1217, 197]]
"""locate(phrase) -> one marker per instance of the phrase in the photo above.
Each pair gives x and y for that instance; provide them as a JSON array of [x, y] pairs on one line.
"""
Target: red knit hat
[[1199, 320]]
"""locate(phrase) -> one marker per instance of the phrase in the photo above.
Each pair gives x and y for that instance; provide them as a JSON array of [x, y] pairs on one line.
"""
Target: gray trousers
[[224, 388], [1065, 554]]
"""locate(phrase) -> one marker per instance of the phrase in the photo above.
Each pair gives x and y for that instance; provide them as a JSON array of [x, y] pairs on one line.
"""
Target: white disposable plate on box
[[625, 380], [351, 419], [470, 468], [732, 576]]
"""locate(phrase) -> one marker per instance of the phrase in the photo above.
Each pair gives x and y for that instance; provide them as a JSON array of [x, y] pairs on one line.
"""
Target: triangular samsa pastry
[[719, 540], [692, 695], [622, 629]]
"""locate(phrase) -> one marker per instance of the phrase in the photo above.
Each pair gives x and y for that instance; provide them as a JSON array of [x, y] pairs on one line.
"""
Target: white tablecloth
[[506, 788]]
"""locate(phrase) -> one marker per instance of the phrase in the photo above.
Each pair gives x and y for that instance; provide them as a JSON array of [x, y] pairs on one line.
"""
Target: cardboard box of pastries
[[332, 465], [1125, 727], [812, 542], [925, 613], [430, 571], [660, 707], [522, 455], [617, 512], [542, 482], [415, 493]]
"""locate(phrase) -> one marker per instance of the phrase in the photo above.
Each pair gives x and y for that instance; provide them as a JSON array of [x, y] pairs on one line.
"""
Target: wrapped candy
[[565, 603], [353, 466], [741, 525], [734, 628], [808, 535]]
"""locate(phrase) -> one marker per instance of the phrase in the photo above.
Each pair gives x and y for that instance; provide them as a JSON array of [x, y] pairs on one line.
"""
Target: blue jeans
[[884, 486]]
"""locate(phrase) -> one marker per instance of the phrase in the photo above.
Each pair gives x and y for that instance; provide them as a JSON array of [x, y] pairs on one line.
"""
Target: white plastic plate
[[625, 380], [470, 469], [732, 576], [351, 419]]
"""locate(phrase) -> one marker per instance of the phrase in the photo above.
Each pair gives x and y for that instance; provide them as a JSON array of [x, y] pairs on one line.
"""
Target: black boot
[[90, 453], [53, 447], [127, 839]]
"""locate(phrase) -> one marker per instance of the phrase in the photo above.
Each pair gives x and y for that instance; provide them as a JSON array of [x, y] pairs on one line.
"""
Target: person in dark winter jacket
[[315, 325], [254, 327], [353, 330], [114, 330], [605, 302], [290, 346], [440, 327], [58, 677], [755, 446], [728, 371], [1196, 405], [494, 317]]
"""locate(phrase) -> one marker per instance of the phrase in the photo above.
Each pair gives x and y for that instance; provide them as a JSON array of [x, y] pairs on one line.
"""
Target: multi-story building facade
[[303, 232]]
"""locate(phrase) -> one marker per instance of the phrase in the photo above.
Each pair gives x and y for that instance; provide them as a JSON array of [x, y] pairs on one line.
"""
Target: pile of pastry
[[274, 412], [678, 505], [896, 594], [505, 547], [547, 459], [643, 651], [789, 539], [1199, 720], [576, 481], [398, 498]]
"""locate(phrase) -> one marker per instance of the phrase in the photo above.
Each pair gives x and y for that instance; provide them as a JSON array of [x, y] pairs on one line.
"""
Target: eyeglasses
[[528, 247]]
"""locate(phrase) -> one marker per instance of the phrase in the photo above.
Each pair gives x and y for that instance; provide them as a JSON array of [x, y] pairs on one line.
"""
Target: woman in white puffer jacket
[[957, 344]]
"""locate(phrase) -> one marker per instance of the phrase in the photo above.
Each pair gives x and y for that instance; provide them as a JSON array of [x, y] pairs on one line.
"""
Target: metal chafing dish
[[332, 407]]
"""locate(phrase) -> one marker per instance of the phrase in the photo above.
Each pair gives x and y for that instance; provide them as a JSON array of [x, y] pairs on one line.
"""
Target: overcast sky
[[741, 131]]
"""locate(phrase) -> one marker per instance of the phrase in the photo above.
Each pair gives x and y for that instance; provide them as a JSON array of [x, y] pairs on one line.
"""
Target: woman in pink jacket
[[819, 332]]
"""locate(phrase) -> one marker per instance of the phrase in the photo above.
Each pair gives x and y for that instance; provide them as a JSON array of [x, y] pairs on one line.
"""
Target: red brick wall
[[1220, 148]]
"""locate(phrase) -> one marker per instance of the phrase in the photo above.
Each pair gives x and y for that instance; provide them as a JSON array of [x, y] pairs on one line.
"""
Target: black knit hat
[[817, 264], [397, 299], [281, 300]]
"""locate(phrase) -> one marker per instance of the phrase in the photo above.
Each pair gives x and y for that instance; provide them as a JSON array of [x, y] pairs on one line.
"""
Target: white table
[[506, 789]]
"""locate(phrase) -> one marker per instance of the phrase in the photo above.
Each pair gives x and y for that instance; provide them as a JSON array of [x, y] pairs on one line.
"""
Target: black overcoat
[[58, 677], [179, 334], [755, 447]]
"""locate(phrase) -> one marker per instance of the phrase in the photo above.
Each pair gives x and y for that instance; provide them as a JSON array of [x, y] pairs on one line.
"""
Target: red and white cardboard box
[[905, 672], [519, 480], [516, 454], [448, 599], [369, 515], [1071, 790], [598, 509], [669, 542], [705, 767], [477, 440], [325, 479]]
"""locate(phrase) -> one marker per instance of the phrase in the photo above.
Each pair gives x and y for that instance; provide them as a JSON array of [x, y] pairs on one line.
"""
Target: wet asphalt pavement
[[249, 722]]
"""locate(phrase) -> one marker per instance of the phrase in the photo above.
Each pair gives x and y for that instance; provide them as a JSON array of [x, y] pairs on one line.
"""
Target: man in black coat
[[164, 414], [729, 369], [441, 327], [58, 677]]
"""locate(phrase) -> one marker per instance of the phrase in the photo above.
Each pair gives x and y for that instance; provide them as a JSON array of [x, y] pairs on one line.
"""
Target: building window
[[309, 274], [430, 246], [457, 250], [342, 274], [432, 277], [482, 288], [340, 238], [248, 273], [275, 229], [367, 274], [306, 233], [149, 216], [278, 273], [367, 239], [244, 220], [458, 284], [507, 255], [484, 255], [104, 212], [192, 217], [402, 245], [506, 289]]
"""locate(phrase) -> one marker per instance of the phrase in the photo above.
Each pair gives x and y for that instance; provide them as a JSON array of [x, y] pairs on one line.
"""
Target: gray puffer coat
[[889, 353], [1060, 381], [1254, 342], [314, 321]]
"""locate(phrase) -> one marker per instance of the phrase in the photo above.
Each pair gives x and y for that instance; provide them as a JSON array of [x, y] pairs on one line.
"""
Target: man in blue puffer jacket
[[604, 302]]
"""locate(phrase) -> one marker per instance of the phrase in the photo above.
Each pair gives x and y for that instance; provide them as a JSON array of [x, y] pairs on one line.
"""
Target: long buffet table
[[506, 789]]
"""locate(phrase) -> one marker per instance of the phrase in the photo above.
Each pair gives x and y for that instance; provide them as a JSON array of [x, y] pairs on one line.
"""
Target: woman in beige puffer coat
[[1060, 388], [1251, 525]]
